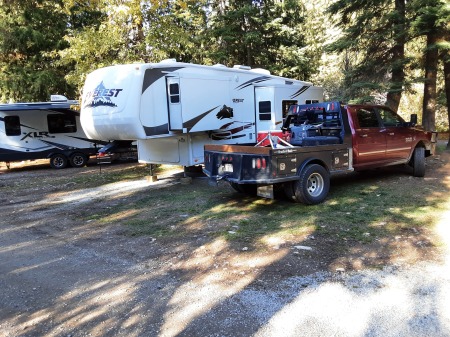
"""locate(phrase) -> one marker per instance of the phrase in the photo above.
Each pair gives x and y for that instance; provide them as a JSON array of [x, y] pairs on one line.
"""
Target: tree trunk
[[446, 60], [398, 58], [429, 93]]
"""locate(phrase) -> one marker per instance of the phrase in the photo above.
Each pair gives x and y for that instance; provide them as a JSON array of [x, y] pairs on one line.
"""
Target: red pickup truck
[[324, 139]]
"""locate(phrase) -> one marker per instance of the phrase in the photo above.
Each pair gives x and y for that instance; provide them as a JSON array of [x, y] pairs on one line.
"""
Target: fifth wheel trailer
[[173, 109]]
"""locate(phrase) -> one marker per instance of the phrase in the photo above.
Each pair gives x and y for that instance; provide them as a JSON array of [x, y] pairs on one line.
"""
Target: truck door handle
[[391, 133], [363, 136]]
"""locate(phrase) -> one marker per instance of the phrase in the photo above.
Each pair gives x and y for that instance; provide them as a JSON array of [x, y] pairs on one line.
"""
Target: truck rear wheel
[[289, 191], [313, 186], [418, 162], [58, 161]]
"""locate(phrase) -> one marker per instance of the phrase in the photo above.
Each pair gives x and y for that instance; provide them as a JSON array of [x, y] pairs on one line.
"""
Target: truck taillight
[[227, 159], [259, 163]]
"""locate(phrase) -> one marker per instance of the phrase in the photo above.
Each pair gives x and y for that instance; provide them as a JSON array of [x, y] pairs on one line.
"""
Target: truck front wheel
[[313, 186], [418, 162]]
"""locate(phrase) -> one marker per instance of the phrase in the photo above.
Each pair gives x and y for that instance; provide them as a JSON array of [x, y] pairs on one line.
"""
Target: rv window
[[286, 105], [12, 126], [61, 124], [265, 111], [174, 92], [311, 101]]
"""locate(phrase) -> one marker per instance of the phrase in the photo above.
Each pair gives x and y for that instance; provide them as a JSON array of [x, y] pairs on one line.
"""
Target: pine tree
[[375, 31], [29, 32], [267, 34]]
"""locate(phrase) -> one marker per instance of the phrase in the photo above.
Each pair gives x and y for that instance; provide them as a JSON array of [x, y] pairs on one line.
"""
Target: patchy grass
[[361, 208]]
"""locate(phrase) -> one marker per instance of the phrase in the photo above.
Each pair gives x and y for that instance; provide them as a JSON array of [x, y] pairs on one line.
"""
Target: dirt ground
[[62, 276]]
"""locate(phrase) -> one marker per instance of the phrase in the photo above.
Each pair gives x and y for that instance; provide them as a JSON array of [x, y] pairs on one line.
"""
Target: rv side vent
[[238, 66], [261, 71]]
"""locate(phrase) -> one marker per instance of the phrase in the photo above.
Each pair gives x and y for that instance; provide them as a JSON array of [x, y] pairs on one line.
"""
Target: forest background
[[394, 52]]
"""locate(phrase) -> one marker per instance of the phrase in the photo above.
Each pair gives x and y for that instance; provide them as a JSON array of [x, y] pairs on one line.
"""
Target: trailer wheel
[[313, 186], [418, 162], [58, 161], [78, 160]]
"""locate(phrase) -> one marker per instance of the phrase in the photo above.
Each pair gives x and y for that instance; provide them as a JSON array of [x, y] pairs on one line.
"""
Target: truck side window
[[174, 92], [12, 126], [367, 118], [61, 123], [265, 111], [390, 118]]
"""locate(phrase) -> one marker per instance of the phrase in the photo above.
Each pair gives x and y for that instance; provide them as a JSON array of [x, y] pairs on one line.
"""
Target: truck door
[[265, 109], [399, 139], [174, 103], [369, 139]]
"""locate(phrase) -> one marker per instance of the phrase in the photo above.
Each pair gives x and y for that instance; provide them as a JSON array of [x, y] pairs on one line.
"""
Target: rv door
[[174, 103], [265, 109]]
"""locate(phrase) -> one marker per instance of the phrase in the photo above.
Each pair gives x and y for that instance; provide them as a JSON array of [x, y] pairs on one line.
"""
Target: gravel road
[[54, 284]]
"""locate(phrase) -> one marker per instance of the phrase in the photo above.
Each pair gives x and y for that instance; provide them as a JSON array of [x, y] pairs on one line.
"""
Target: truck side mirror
[[413, 119]]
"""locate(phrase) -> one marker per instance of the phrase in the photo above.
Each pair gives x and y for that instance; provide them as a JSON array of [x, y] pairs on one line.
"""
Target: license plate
[[227, 167]]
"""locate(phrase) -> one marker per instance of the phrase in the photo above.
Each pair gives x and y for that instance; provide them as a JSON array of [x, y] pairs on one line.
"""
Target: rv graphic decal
[[152, 75], [225, 112], [40, 134], [230, 133], [101, 142], [191, 123], [156, 130], [101, 96], [300, 91], [253, 81], [58, 146]]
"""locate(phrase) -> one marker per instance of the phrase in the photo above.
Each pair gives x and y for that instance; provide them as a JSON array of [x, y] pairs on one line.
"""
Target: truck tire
[[288, 188], [418, 162], [313, 186], [78, 160], [58, 161], [249, 189]]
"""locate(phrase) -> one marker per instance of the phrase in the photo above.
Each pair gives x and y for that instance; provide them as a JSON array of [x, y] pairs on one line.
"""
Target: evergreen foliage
[[29, 32], [378, 50]]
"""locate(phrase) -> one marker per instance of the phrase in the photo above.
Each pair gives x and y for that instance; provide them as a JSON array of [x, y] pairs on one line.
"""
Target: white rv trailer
[[30, 131], [173, 109]]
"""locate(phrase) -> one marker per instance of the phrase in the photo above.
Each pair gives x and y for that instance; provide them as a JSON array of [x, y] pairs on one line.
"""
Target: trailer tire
[[418, 162], [78, 160], [58, 161], [313, 186]]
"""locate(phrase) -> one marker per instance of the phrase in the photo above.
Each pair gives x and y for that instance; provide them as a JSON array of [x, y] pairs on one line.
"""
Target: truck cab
[[381, 137]]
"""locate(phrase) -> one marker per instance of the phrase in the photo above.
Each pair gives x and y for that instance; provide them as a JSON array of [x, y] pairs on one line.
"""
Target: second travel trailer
[[173, 109], [52, 130]]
